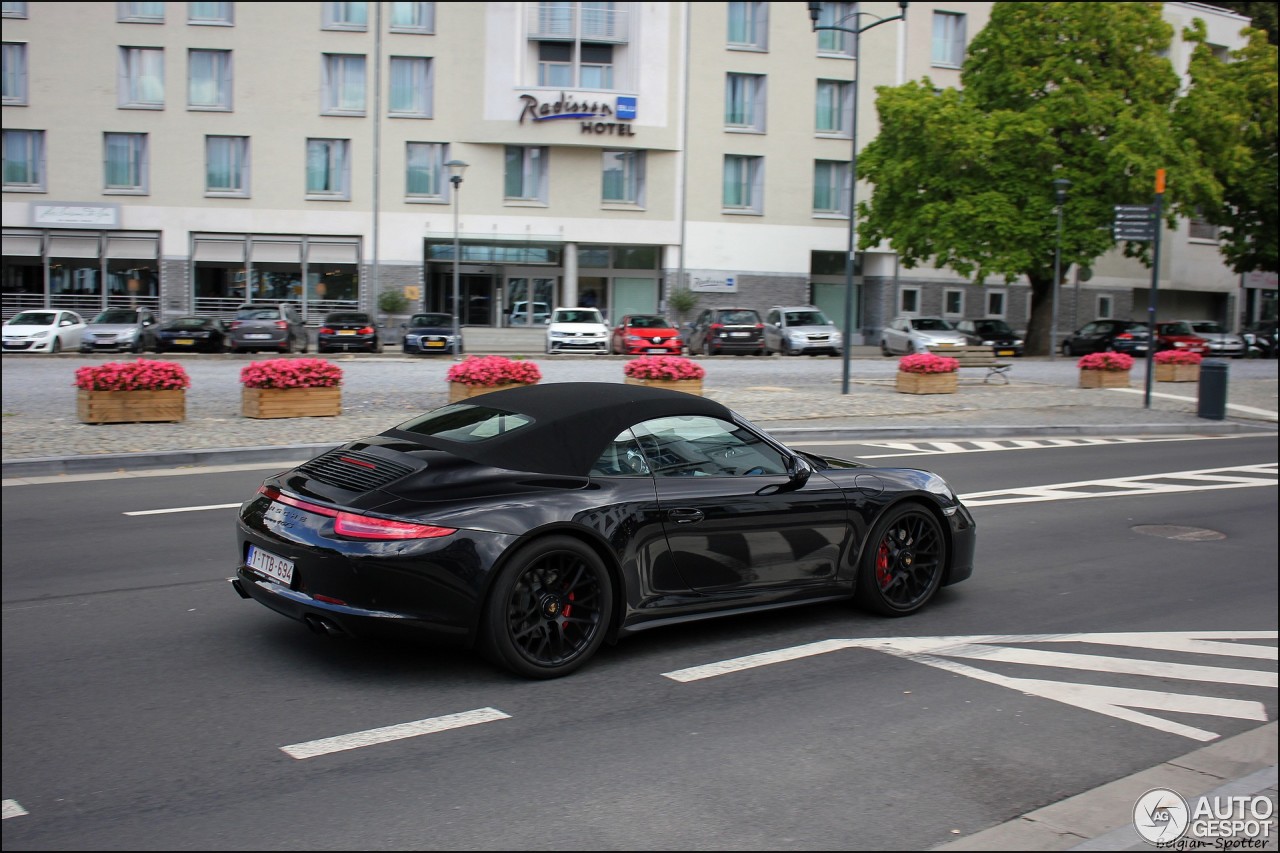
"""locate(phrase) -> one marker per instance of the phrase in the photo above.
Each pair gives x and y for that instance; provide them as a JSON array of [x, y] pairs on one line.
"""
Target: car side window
[[699, 446], [622, 458]]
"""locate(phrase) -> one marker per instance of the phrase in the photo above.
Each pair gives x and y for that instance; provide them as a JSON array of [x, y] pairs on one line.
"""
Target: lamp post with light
[[856, 29], [456, 168], [1060, 187]]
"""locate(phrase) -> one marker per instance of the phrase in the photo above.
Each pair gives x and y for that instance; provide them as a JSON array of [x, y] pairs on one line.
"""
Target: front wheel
[[884, 349], [903, 561], [549, 609], [1066, 349]]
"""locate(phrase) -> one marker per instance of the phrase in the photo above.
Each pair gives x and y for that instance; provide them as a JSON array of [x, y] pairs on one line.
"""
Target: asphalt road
[[147, 707]]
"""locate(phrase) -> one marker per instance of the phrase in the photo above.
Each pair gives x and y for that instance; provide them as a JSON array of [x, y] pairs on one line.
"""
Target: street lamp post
[[456, 168], [1060, 187], [857, 29]]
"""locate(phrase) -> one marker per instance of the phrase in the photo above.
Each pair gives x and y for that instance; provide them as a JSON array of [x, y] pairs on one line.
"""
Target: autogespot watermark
[[1166, 820]]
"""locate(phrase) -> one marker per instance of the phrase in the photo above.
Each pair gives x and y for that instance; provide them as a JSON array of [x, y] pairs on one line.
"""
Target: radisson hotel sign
[[596, 117]]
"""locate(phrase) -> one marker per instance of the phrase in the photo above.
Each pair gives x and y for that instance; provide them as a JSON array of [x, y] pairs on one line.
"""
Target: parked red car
[[1179, 336], [645, 334]]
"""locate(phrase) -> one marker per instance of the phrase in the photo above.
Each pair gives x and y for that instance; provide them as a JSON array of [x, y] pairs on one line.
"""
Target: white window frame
[[433, 155], [139, 164], [947, 293], [420, 70], [1105, 306], [346, 16], [835, 96], [140, 13], [223, 15], [834, 176], [835, 42], [744, 174], [33, 159], [337, 153], [534, 169], [222, 82], [631, 164], [744, 102], [948, 41], [15, 74], [904, 292], [131, 78], [336, 69], [423, 16], [237, 150], [994, 296], [753, 20]]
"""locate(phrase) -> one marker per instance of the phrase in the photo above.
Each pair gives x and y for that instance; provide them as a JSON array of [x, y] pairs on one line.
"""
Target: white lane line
[[1269, 415], [370, 737], [1206, 479], [181, 509], [12, 809]]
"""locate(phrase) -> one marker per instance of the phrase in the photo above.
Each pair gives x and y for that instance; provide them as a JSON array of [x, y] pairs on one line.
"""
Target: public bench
[[977, 356]]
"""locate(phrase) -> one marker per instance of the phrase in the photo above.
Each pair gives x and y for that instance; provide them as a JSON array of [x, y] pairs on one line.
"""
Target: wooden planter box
[[927, 383], [1177, 373], [1104, 379], [122, 407], [458, 391], [290, 402], [688, 386]]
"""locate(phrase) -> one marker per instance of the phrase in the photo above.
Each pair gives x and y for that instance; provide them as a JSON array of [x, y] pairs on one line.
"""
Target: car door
[[897, 335], [737, 519]]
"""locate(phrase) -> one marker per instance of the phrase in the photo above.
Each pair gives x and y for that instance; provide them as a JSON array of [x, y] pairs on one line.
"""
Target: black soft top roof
[[573, 422]]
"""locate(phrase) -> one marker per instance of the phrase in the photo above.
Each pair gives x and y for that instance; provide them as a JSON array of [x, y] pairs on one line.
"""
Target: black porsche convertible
[[539, 522]]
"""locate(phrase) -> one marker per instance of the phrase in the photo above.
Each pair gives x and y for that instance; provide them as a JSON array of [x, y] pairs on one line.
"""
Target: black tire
[[1066, 349], [706, 347], [903, 561], [549, 609], [56, 346], [884, 349]]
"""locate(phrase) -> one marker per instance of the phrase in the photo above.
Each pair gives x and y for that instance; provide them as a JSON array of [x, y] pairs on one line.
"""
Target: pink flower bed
[[663, 367], [1178, 356], [927, 362], [1105, 361], [140, 375], [490, 370], [291, 373]]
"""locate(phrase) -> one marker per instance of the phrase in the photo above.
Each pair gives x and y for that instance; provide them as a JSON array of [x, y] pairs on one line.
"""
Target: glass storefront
[[82, 271]]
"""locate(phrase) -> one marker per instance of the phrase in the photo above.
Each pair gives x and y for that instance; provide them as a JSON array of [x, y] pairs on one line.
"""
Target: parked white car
[[1222, 342], [907, 335], [577, 330], [45, 330]]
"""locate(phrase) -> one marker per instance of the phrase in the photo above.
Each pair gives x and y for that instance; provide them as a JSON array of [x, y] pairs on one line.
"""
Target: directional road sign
[[1134, 222]]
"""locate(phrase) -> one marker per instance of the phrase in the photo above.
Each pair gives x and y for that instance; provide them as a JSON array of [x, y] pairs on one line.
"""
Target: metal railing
[[571, 21]]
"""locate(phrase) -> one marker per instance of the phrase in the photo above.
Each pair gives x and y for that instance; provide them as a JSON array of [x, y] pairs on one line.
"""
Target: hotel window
[[744, 100], [226, 166], [749, 25], [209, 80], [743, 190], [831, 187], [1104, 308], [343, 84], [623, 177], [346, 16], [835, 41], [425, 174], [573, 44], [24, 160], [948, 39], [593, 65], [953, 303], [1199, 229], [125, 165], [909, 300], [329, 169], [15, 10], [411, 87], [834, 108], [140, 13], [995, 303], [219, 14], [15, 74], [141, 80], [525, 177], [413, 18]]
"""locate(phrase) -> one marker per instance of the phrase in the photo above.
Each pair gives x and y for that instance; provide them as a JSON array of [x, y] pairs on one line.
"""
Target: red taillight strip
[[359, 462], [361, 526]]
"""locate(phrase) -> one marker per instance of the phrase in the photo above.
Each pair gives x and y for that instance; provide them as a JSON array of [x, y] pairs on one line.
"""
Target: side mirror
[[798, 472]]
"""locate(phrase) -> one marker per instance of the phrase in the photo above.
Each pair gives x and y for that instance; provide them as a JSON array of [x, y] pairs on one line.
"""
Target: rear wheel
[[706, 347], [884, 349], [1066, 349], [903, 562], [549, 609]]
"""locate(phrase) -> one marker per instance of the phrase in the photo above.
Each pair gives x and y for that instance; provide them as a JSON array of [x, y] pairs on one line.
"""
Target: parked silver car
[[801, 330], [1222, 344], [907, 335], [271, 327], [120, 330]]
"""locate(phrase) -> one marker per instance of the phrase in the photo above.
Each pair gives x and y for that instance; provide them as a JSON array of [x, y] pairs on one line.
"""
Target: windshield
[[992, 327], [739, 318], [1210, 328], [465, 422], [577, 315], [1175, 329], [258, 314], [643, 322], [347, 318], [807, 318], [431, 320], [931, 324], [117, 315], [188, 323], [34, 318]]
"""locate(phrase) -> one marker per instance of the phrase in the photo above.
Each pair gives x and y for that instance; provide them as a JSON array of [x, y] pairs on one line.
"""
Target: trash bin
[[1213, 389]]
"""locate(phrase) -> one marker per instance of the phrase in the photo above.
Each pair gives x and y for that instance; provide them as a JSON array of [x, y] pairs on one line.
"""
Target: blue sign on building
[[626, 107]]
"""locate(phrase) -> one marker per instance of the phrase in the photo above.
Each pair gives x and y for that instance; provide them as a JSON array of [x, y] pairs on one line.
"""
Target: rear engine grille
[[359, 472]]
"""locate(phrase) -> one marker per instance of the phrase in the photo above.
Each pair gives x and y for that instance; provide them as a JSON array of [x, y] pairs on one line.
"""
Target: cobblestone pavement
[[780, 394]]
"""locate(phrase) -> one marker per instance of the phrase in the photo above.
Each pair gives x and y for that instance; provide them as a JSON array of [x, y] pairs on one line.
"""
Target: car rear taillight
[[325, 330], [282, 324], [359, 526], [234, 324], [715, 327], [1125, 335], [367, 330]]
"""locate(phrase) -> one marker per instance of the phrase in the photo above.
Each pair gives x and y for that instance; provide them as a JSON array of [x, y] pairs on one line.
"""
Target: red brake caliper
[[882, 564]]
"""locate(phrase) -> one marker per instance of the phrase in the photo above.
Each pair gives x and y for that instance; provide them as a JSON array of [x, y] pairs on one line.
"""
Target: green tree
[[1231, 113], [964, 178]]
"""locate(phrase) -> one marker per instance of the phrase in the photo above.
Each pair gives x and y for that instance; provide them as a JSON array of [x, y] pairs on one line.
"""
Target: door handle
[[685, 515]]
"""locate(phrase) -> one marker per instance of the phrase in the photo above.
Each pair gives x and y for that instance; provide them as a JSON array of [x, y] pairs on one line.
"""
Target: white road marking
[[182, 509], [1117, 702], [12, 809], [1263, 413], [1205, 479], [929, 448], [369, 737]]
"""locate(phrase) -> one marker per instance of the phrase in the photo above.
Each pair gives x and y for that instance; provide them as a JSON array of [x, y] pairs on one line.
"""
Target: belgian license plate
[[657, 349], [184, 342], [738, 334], [257, 337], [1004, 352], [346, 331], [276, 568], [435, 343]]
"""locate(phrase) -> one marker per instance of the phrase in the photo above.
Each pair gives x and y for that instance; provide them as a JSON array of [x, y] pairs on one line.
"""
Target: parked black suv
[[735, 330], [1126, 336]]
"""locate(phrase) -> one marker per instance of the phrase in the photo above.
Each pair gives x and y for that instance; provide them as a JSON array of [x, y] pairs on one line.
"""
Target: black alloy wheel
[[56, 347], [1066, 349], [903, 562], [884, 349], [549, 609]]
